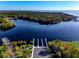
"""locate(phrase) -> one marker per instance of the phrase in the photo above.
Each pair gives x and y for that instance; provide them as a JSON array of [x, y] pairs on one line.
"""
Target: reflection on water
[[26, 30]]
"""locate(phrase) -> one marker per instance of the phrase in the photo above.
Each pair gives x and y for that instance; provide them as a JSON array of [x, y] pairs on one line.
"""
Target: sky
[[39, 5]]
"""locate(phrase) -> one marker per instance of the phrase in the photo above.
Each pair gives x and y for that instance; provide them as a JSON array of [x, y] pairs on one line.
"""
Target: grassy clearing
[[76, 44]]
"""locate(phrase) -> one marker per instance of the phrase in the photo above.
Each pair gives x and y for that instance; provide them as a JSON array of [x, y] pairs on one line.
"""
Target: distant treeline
[[41, 17]]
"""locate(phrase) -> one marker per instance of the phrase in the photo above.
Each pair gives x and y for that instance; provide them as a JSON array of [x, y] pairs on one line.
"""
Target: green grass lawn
[[76, 44]]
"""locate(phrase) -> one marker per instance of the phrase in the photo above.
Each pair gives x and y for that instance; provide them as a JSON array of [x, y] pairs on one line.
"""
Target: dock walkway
[[40, 48]]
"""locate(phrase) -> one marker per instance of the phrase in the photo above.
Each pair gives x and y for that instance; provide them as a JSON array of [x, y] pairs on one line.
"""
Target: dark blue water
[[26, 30]]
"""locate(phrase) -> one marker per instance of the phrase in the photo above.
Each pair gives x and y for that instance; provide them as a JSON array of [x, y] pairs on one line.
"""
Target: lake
[[26, 30]]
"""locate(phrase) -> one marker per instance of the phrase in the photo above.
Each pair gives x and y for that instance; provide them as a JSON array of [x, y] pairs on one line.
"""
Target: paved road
[[41, 52]]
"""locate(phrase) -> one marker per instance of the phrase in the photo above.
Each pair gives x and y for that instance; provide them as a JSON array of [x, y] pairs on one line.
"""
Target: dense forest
[[22, 49], [6, 24], [62, 49], [41, 17]]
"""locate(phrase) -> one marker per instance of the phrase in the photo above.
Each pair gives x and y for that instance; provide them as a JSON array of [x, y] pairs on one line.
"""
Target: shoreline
[[40, 17]]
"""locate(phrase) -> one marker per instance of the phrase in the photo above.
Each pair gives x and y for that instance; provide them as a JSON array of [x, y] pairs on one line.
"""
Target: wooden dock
[[40, 48]]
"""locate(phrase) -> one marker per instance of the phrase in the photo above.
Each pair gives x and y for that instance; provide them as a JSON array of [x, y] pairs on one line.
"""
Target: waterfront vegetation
[[5, 24], [57, 49], [22, 49], [40, 17], [61, 49]]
